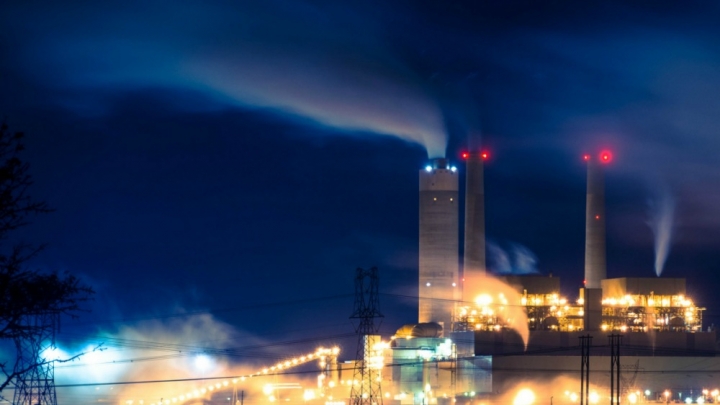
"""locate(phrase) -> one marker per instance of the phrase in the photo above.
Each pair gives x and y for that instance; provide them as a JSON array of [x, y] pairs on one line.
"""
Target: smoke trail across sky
[[328, 65], [329, 92], [661, 221]]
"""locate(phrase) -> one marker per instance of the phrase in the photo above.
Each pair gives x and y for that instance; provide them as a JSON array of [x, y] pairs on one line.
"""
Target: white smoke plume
[[517, 259], [328, 91], [504, 299], [154, 360], [662, 221], [328, 64]]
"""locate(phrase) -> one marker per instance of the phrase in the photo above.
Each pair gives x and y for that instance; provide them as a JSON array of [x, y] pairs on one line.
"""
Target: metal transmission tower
[[36, 379], [366, 378], [628, 381]]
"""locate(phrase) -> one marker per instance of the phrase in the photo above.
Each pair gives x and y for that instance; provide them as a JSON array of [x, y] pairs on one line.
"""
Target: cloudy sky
[[242, 159]]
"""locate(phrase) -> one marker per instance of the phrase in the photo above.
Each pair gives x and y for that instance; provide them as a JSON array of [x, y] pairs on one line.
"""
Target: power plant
[[484, 339], [505, 331]]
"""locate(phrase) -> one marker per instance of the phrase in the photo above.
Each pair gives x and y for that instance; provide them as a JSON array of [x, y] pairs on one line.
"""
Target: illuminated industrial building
[[438, 288], [661, 325], [628, 305], [481, 339]]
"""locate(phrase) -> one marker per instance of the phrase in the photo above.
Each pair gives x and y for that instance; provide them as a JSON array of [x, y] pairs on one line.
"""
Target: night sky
[[239, 160]]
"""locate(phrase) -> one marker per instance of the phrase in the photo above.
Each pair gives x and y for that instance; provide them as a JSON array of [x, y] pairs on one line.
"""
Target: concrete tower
[[595, 267], [438, 278], [474, 256]]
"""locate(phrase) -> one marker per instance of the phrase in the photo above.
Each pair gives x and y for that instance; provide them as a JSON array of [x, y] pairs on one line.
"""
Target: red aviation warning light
[[483, 155], [606, 156]]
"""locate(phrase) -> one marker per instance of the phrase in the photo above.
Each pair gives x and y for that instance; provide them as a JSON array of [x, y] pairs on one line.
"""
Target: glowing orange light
[[606, 156]]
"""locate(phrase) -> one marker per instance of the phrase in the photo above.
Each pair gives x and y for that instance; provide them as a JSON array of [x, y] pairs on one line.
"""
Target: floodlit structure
[[466, 346], [661, 325], [428, 369], [439, 243]]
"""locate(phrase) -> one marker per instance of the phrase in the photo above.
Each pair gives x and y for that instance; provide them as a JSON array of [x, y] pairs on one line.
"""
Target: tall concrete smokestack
[[595, 264], [474, 256], [595, 267], [438, 278]]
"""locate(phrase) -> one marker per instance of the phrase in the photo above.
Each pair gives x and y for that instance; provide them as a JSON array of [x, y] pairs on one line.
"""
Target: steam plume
[[661, 221], [326, 64], [500, 294], [518, 259], [152, 351], [330, 92]]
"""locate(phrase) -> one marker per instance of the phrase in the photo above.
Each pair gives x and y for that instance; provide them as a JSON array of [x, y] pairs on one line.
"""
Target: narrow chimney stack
[[595, 265], [474, 252]]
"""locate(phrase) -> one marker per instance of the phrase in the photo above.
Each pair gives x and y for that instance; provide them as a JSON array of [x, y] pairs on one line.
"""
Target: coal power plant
[[486, 339], [481, 338]]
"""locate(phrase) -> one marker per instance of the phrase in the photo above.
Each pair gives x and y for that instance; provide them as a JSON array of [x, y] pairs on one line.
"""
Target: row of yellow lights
[[319, 353], [634, 397], [485, 300], [628, 300], [309, 395], [554, 300], [679, 300]]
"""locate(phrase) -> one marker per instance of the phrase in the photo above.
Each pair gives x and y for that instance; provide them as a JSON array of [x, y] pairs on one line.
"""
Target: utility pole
[[614, 341], [238, 400], [585, 343]]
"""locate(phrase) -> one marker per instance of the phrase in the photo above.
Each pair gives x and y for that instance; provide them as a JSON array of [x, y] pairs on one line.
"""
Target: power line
[[303, 372], [237, 352]]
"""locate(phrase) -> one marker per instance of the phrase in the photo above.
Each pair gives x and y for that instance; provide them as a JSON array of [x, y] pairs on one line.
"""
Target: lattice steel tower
[[366, 388], [36, 380]]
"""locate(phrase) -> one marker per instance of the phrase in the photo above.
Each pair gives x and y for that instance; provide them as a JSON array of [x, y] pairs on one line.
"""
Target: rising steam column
[[474, 252], [438, 272], [595, 265]]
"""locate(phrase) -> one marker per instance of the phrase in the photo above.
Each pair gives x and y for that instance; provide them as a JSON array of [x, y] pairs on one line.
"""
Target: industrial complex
[[518, 339], [485, 339]]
